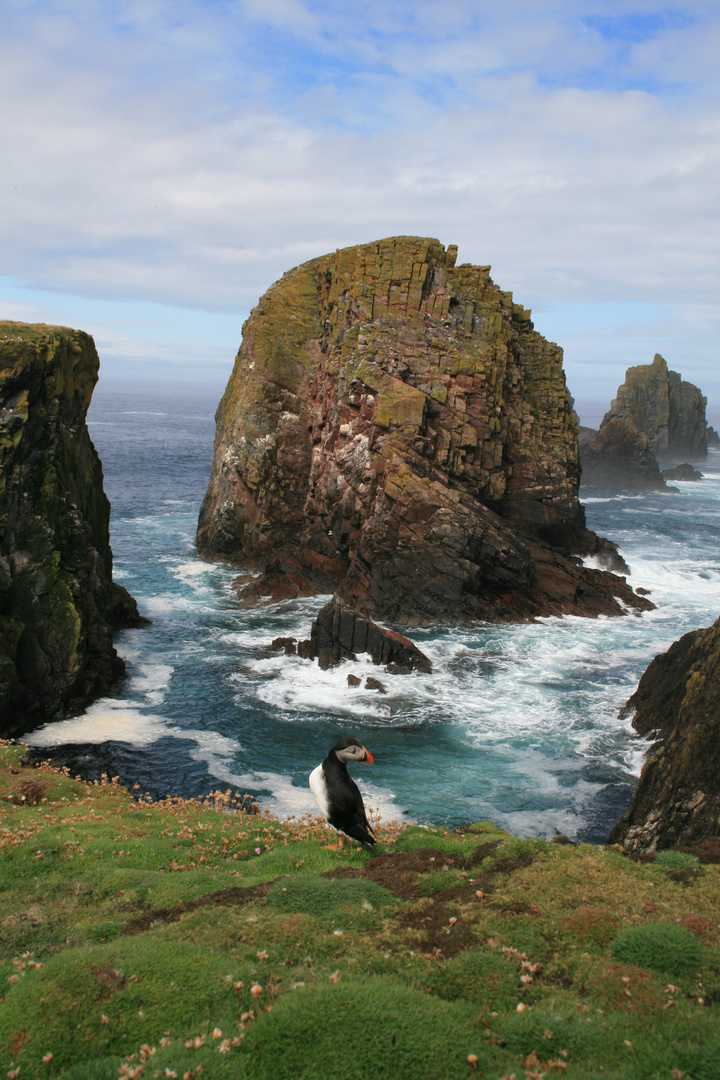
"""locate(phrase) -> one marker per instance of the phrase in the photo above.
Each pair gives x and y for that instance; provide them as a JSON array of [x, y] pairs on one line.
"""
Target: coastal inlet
[[516, 723]]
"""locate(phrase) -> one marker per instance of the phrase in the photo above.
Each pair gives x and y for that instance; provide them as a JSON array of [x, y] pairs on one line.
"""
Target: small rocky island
[[396, 431], [667, 410], [656, 417], [58, 602], [677, 705]]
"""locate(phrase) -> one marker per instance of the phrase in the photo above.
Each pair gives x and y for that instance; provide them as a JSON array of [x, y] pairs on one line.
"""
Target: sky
[[164, 161]]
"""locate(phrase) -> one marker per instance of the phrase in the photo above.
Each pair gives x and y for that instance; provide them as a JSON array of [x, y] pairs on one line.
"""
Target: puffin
[[338, 796]]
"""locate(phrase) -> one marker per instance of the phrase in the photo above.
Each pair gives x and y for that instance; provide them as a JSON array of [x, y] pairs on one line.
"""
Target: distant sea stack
[[677, 801], [58, 602], [665, 408], [396, 431]]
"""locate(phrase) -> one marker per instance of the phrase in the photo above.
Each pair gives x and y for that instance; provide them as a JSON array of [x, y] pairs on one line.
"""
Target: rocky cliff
[[58, 603], [669, 411], [396, 430], [677, 801]]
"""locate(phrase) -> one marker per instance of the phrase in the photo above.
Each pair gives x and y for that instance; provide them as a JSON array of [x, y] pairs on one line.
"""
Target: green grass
[[313, 895], [131, 936], [708, 1062], [676, 860], [663, 947], [438, 881]]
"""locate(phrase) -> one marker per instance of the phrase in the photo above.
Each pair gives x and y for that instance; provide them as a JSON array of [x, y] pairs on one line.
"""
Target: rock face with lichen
[[677, 702], [395, 430], [665, 408], [58, 602]]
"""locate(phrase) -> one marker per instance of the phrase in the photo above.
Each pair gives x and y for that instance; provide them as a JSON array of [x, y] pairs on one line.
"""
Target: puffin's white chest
[[318, 786]]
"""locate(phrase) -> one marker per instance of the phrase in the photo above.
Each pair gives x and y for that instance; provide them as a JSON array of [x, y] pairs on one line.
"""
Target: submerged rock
[[682, 472], [288, 645], [396, 431], [58, 602], [619, 459], [677, 702], [665, 408]]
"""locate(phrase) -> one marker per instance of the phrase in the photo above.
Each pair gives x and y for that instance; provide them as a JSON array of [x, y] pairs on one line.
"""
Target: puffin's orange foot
[[333, 847]]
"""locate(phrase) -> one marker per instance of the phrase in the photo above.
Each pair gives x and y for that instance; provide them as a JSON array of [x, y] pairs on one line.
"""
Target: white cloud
[[188, 155]]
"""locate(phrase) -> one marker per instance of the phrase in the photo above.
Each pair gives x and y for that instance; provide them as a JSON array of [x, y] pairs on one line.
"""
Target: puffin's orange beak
[[368, 757]]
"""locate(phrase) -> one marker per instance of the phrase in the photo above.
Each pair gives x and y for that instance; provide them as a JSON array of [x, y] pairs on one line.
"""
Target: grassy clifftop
[[184, 939]]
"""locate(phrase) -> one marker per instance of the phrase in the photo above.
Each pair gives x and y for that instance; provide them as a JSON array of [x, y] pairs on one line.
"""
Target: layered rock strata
[[665, 408], [58, 603], [395, 430], [619, 459], [677, 702]]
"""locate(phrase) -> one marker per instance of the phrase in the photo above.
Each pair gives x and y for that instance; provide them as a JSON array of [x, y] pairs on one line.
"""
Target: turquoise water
[[517, 723]]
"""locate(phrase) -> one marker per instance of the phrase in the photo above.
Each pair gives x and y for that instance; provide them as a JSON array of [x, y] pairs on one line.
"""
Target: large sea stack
[[677, 703], [395, 430], [58, 602], [665, 408]]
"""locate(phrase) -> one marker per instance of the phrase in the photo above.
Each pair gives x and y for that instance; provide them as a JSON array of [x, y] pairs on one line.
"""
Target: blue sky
[[164, 162]]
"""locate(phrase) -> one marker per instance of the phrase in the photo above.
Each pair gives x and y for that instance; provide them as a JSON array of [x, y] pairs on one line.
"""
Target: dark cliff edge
[[677, 702], [58, 602], [397, 432]]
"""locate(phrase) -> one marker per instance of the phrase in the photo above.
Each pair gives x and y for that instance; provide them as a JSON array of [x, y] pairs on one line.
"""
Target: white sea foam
[[301, 686], [151, 677], [189, 571], [159, 605], [541, 822], [108, 720]]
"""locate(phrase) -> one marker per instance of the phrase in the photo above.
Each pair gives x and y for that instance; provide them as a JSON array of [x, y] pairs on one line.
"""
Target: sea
[[516, 724]]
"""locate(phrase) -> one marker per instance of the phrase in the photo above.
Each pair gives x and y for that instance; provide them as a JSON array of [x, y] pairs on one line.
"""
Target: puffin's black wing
[[347, 811]]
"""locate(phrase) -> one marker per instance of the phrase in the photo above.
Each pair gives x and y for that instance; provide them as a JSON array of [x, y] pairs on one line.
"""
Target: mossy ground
[[153, 940]]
